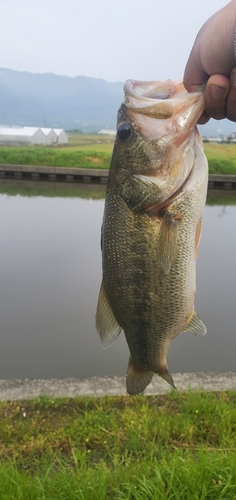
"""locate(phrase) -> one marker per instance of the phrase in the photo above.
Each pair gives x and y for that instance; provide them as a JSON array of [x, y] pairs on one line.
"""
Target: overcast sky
[[110, 39]]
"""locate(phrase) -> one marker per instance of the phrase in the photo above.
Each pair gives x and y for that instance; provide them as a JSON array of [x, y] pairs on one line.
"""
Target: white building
[[62, 137], [24, 135], [50, 134], [107, 131], [212, 139], [32, 135]]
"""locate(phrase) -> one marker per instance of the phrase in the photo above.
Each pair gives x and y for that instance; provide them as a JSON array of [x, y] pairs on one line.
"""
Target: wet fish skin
[[150, 234]]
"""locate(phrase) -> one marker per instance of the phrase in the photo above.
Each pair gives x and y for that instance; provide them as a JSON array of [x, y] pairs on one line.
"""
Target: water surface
[[50, 272]]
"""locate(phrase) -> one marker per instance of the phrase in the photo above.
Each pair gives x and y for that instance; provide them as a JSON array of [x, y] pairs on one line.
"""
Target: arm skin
[[212, 59]]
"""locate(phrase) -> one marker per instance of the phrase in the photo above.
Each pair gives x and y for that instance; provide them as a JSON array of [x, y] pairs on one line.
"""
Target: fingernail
[[217, 92]]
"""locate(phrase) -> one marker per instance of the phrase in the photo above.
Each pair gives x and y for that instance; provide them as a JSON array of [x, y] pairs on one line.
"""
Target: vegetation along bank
[[180, 445], [94, 151]]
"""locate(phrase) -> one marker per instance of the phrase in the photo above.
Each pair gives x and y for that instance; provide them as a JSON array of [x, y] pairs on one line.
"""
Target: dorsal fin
[[106, 323]]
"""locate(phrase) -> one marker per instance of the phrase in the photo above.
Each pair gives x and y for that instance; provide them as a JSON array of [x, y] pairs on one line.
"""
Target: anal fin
[[195, 325], [106, 323]]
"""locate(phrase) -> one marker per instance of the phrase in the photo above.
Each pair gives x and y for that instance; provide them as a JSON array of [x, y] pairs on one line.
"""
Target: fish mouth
[[151, 89], [163, 108], [150, 98], [163, 117]]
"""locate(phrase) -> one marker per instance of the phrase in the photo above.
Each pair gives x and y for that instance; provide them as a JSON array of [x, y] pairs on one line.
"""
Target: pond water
[[50, 273]]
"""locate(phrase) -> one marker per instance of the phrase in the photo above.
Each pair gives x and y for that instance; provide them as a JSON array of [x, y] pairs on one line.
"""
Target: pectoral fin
[[197, 238], [168, 241], [106, 323], [195, 325]]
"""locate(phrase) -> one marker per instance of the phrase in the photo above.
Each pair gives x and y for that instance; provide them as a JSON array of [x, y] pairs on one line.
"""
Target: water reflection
[[50, 272], [215, 300]]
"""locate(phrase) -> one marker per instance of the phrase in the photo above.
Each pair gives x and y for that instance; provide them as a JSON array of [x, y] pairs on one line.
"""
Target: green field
[[94, 151], [177, 446], [221, 158]]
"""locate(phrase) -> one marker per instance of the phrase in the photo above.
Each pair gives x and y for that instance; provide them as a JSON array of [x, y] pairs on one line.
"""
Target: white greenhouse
[[32, 135], [62, 137], [24, 135], [50, 134]]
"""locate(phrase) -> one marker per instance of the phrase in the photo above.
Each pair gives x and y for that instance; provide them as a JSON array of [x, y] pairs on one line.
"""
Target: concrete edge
[[94, 172], [10, 167], [40, 173], [18, 389]]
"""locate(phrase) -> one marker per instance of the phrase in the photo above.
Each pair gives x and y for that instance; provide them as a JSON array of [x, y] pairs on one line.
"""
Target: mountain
[[48, 100], [89, 104]]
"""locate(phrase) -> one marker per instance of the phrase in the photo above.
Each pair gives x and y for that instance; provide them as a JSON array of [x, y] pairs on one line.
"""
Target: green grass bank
[[94, 151], [176, 446]]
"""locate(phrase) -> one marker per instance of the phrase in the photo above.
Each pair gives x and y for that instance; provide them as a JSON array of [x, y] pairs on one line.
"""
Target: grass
[[180, 445], [54, 157], [84, 140], [221, 158], [94, 151], [83, 151]]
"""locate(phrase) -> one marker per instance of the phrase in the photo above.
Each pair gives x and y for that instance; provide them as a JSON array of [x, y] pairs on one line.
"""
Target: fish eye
[[124, 131]]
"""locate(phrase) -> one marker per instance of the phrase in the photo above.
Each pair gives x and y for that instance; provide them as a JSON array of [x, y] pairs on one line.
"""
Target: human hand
[[212, 60]]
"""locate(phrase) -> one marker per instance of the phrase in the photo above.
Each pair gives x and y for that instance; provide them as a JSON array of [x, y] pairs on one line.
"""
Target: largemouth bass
[[151, 228]]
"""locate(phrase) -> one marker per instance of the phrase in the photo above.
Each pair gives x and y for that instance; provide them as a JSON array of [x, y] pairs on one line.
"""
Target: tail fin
[[160, 366], [165, 374], [137, 380]]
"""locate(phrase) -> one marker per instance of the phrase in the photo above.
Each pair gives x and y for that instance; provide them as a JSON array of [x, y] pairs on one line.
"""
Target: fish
[[151, 226]]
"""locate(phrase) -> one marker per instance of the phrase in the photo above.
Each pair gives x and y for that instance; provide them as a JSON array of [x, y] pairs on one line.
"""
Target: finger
[[194, 76], [204, 118], [216, 93], [231, 100]]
